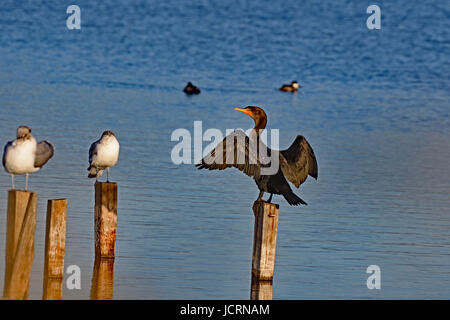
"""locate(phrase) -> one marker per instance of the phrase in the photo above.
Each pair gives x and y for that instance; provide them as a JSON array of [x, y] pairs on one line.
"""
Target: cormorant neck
[[260, 124]]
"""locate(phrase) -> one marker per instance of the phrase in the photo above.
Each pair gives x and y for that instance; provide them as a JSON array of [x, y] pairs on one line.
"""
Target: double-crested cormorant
[[24, 156], [191, 89], [295, 163], [293, 87], [103, 154]]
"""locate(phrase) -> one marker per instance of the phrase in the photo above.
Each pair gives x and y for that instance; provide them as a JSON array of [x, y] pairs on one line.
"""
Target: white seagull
[[24, 156], [103, 154]]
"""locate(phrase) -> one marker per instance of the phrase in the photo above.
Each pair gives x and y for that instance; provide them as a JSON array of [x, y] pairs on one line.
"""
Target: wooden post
[[105, 219], [20, 229], [261, 290], [55, 243], [264, 239], [102, 279]]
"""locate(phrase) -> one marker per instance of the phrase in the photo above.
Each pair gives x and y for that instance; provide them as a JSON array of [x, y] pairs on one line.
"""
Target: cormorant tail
[[293, 199]]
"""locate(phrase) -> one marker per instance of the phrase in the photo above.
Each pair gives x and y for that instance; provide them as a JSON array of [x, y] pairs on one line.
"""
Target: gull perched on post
[[103, 154], [24, 156]]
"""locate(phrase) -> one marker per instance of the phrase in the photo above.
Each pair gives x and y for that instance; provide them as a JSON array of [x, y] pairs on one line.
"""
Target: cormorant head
[[23, 132], [257, 114]]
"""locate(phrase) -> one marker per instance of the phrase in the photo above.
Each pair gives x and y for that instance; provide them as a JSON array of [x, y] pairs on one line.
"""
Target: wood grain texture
[[105, 218], [264, 239], [55, 238], [21, 225], [55, 247]]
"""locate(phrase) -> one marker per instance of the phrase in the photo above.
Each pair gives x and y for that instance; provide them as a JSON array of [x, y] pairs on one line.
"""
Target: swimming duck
[[293, 87], [191, 89]]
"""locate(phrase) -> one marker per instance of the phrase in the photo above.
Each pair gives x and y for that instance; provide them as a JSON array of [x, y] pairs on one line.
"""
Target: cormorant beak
[[246, 111]]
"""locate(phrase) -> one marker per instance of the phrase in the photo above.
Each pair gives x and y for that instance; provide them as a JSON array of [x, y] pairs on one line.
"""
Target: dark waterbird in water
[[191, 89], [293, 87], [295, 163]]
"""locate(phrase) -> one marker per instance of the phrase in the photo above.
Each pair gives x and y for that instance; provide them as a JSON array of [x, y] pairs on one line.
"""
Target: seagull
[[24, 156], [103, 154]]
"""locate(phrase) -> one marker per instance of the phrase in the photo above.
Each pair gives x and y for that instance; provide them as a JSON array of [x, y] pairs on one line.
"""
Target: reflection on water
[[52, 288], [261, 289], [102, 286]]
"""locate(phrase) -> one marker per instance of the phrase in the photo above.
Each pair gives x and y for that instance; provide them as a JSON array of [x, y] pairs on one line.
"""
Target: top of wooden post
[[18, 191], [105, 183], [258, 203]]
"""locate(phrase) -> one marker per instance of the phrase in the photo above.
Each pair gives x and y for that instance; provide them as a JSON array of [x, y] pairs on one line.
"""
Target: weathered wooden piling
[[264, 239], [261, 289], [55, 244], [102, 279], [20, 229], [105, 219]]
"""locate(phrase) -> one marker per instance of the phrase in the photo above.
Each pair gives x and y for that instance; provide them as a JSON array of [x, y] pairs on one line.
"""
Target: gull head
[[23, 132], [108, 133]]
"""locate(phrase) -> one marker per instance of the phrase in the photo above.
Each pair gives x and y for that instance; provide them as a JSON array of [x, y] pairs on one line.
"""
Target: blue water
[[375, 106]]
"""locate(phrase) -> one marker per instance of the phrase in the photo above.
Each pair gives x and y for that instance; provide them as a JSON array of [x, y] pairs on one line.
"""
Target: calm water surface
[[375, 107]]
